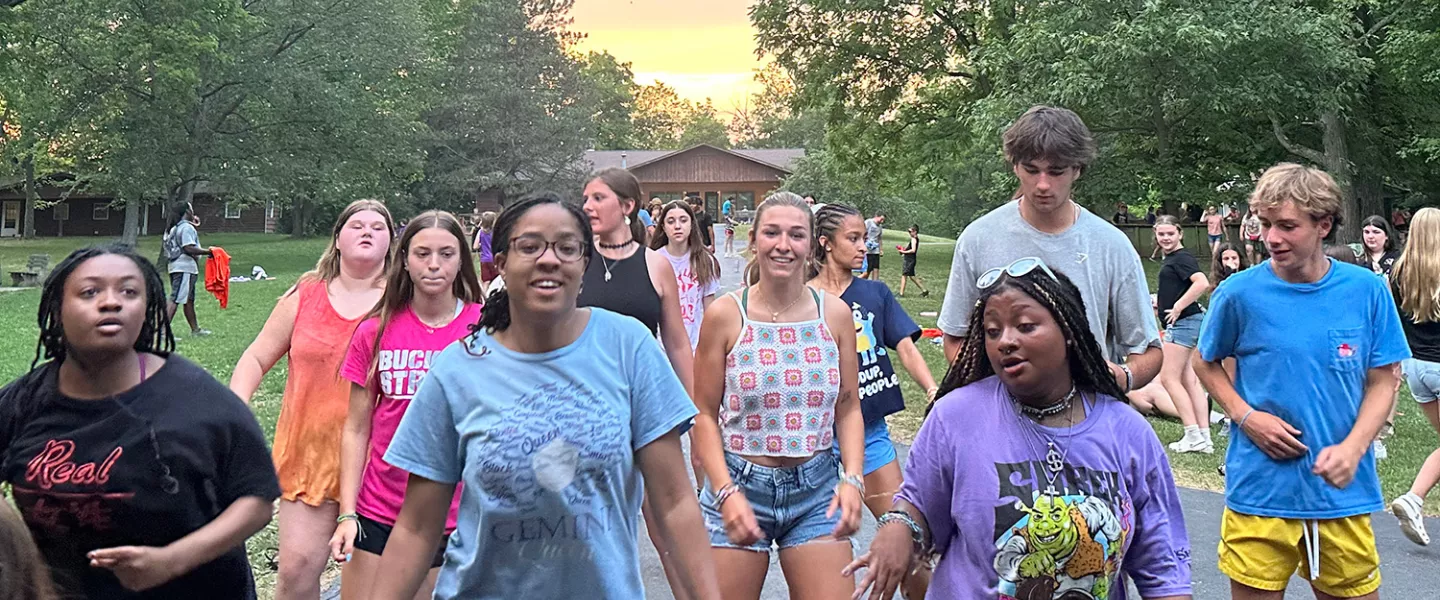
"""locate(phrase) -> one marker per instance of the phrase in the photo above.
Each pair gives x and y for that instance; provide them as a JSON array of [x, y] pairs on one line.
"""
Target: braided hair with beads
[[1088, 368]]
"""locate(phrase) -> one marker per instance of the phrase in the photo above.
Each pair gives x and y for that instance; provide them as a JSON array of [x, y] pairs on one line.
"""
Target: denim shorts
[[1185, 332], [1215, 238], [879, 448], [789, 502], [1424, 379]]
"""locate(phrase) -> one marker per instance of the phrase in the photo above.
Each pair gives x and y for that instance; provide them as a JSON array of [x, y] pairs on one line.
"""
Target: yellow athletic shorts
[[1263, 552]]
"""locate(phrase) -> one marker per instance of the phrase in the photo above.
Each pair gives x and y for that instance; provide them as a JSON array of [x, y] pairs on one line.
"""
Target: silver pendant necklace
[[1056, 457]]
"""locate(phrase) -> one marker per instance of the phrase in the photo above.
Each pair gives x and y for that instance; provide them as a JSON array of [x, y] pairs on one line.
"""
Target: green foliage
[[609, 98], [1189, 101], [507, 115]]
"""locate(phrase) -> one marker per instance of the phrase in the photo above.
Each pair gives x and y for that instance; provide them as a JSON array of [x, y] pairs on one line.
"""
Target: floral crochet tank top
[[781, 383]]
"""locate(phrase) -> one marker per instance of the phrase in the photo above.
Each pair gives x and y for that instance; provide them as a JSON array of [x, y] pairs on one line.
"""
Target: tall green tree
[[608, 94], [509, 117]]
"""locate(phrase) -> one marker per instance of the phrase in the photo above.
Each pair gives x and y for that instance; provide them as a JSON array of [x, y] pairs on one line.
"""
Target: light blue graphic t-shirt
[[1302, 354], [545, 445]]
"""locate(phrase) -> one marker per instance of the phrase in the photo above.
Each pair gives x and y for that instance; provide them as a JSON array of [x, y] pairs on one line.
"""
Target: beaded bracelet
[[852, 480], [726, 491], [900, 516]]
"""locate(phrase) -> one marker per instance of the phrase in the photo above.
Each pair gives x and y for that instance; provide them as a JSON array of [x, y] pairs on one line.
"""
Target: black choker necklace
[[1048, 411], [619, 246]]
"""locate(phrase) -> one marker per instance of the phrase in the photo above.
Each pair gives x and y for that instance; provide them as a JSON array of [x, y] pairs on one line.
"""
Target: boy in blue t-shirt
[[1314, 342]]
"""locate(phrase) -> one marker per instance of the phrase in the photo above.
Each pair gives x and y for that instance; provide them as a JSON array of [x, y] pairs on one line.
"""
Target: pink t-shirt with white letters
[[406, 351]]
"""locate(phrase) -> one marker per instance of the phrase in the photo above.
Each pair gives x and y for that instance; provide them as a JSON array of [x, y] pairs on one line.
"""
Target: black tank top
[[628, 292]]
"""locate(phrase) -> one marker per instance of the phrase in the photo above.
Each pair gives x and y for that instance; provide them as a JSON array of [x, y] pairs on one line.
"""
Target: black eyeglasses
[[1016, 269], [532, 246]]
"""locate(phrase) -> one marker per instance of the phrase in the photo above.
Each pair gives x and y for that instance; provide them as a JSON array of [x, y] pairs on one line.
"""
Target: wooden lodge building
[[87, 213], [703, 171]]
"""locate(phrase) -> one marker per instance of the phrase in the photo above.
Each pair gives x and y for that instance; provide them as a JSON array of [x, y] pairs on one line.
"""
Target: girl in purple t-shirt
[[1068, 489], [432, 297]]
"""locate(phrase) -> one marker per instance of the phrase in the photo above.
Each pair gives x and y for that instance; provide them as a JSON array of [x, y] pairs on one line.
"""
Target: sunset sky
[[702, 48]]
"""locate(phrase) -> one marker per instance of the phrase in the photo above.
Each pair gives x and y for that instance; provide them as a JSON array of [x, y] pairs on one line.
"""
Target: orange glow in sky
[[702, 48]]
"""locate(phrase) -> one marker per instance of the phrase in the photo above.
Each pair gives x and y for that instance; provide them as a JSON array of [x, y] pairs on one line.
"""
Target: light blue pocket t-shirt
[[1303, 353], [545, 445]]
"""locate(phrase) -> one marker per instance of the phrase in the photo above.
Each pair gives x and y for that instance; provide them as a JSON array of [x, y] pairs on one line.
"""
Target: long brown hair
[[702, 263], [328, 267], [626, 187], [400, 290], [23, 574], [1218, 271]]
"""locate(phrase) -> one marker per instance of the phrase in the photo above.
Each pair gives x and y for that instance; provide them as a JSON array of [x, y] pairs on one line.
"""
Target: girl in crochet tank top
[[775, 383]]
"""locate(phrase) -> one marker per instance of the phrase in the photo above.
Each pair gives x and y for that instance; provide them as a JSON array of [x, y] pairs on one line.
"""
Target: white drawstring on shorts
[[1311, 529]]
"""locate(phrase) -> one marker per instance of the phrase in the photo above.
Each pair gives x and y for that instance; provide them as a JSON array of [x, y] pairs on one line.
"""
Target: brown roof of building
[[779, 158]]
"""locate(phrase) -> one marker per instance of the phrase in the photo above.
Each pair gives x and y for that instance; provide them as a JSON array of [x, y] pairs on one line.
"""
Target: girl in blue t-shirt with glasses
[[550, 414]]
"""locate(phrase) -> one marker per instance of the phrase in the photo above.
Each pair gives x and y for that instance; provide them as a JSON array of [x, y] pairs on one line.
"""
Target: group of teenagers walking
[[439, 441]]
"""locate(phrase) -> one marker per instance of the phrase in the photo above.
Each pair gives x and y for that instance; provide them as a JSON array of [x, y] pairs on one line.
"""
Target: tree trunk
[[300, 217], [131, 232], [1337, 162], [1169, 197], [28, 212]]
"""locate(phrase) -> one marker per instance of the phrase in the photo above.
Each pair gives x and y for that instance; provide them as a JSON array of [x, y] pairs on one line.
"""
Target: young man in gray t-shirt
[[1048, 149], [185, 269]]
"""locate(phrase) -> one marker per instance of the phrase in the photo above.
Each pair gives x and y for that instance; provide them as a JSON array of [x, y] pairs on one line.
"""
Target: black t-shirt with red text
[[144, 468]]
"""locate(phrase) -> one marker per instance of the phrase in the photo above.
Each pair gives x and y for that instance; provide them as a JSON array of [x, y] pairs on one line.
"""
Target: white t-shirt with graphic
[[692, 294]]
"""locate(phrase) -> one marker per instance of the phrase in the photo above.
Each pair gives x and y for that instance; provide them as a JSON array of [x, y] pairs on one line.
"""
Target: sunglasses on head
[[1016, 269]]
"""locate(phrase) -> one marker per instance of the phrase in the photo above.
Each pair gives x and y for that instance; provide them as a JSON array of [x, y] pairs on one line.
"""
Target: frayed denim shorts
[[789, 502]]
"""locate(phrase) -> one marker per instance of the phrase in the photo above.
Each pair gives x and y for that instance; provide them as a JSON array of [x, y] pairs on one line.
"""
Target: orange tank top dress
[[316, 401]]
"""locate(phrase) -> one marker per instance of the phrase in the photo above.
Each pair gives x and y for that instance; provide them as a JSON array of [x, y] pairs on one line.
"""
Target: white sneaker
[[1216, 417], [1381, 453], [1202, 445], [1412, 524]]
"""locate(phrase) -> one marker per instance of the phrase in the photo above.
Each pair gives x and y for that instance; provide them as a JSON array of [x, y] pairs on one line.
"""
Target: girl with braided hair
[[1072, 484], [883, 331], [139, 475]]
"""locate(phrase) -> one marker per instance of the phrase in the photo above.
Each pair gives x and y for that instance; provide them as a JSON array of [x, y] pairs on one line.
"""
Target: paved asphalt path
[[1406, 569]]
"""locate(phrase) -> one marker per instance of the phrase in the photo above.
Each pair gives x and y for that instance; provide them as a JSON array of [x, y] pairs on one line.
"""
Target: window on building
[[62, 211], [742, 200], [272, 210], [100, 211], [232, 210]]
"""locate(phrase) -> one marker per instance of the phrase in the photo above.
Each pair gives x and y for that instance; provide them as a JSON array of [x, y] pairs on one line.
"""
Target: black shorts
[[872, 262], [907, 265], [374, 535]]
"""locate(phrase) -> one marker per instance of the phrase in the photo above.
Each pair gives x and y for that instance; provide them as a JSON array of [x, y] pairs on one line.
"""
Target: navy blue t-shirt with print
[[880, 325]]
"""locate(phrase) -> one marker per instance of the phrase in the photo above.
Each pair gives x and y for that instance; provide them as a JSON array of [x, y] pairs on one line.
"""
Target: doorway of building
[[712, 203], [10, 219]]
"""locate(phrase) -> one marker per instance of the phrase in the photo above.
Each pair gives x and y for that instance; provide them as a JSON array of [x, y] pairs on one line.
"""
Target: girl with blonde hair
[[313, 323], [1415, 284]]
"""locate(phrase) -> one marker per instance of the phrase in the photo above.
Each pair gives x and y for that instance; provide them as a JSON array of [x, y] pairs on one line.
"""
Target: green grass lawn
[[286, 259]]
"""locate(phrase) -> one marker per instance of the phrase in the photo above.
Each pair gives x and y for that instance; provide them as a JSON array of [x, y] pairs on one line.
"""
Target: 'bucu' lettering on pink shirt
[[404, 358]]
